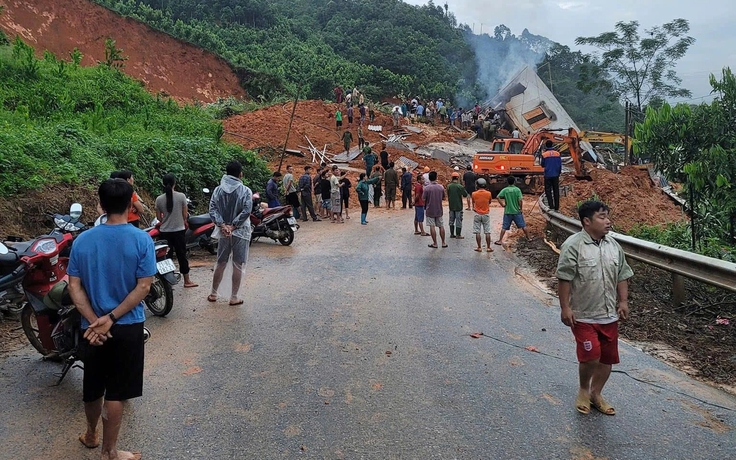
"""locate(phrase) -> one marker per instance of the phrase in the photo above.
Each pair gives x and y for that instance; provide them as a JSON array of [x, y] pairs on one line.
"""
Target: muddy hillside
[[266, 129], [163, 63]]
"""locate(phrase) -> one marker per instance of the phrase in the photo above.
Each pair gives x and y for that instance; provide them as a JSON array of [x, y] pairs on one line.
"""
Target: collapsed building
[[527, 104]]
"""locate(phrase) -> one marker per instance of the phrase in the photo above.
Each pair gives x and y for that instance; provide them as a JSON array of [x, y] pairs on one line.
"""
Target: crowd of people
[[380, 185]]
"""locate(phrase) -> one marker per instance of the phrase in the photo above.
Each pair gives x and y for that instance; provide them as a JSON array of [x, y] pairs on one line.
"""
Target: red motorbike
[[48, 318], [199, 232], [275, 223]]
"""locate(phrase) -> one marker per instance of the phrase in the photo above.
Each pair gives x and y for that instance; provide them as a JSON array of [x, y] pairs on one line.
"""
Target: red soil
[[316, 119], [163, 63], [631, 195]]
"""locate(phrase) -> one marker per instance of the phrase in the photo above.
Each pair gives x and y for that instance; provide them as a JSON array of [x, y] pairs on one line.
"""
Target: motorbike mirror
[[205, 190], [3, 249], [101, 220], [75, 212]]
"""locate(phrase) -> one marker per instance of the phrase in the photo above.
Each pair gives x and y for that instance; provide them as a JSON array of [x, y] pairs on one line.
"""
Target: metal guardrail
[[708, 270]]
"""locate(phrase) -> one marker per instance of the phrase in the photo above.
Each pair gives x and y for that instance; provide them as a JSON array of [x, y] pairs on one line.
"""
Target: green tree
[[113, 55], [640, 70], [697, 145]]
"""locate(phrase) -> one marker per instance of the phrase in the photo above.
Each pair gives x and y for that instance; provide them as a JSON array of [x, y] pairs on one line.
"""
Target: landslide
[[163, 63], [265, 129]]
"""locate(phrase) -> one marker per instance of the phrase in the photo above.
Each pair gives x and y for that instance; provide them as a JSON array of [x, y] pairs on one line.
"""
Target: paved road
[[354, 343]]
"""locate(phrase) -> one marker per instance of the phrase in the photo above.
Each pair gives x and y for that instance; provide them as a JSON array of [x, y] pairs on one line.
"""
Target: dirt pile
[[162, 62], [632, 196], [266, 129]]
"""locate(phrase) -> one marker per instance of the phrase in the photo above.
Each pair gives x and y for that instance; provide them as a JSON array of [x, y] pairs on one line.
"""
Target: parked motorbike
[[12, 298], [49, 318], [275, 223], [160, 299], [199, 232]]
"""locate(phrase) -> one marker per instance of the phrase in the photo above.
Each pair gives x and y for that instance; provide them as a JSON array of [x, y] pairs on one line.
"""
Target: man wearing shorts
[[482, 214], [419, 207], [469, 182], [594, 292], [111, 269], [230, 208], [513, 204], [433, 195]]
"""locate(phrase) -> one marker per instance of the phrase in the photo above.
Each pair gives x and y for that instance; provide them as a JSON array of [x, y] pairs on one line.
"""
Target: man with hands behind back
[[111, 268]]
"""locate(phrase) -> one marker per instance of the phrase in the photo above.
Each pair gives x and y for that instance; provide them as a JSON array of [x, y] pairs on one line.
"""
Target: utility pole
[[288, 132], [627, 153]]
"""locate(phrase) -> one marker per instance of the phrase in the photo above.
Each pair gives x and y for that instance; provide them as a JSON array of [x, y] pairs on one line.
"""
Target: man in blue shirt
[[552, 164], [111, 268], [272, 191]]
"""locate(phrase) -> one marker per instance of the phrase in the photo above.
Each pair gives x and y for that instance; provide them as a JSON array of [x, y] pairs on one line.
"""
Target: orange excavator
[[520, 158]]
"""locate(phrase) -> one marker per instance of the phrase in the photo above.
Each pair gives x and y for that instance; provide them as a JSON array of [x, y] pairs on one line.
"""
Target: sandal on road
[[498, 242], [582, 403], [443, 246], [603, 407], [190, 285], [211, 298], [478, 250], [235, 302], [433, 246]]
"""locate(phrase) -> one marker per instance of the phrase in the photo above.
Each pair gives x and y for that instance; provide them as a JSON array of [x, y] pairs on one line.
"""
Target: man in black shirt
[[469, 181], [384, 157]]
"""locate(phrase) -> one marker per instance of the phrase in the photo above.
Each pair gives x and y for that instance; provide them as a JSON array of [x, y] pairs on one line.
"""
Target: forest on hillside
[[62, 123], [386, 47]]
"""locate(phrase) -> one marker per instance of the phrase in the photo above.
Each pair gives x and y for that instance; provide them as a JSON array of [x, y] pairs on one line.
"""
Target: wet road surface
[[355, 343]]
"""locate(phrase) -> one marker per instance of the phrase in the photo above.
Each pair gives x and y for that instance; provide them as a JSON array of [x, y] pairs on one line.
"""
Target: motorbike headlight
[[44, 246]]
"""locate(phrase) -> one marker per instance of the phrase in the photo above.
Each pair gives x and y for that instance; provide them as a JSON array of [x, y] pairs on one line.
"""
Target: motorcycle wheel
[[160, 299], [289, 238], [30, 327], [211, 246]]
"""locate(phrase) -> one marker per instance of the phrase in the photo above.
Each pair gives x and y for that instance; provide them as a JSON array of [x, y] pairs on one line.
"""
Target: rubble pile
[[315, 119], [631, 194]]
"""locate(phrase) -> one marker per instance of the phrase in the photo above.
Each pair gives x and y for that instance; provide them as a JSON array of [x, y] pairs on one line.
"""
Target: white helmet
[[457, 168]]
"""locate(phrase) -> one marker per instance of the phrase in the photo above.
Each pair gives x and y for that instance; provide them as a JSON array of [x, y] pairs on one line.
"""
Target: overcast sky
[[712, 24]]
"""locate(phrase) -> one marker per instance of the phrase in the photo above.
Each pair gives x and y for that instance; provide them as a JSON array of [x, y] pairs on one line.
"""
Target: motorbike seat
[[198, 221], [14, 255], [275, 210], [11, 259]]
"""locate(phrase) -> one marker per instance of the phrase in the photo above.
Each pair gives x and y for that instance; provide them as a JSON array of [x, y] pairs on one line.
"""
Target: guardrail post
[[679, 294]]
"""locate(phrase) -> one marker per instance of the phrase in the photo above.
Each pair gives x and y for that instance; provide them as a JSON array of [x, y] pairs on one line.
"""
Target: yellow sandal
[[603, 407], [582, 403]]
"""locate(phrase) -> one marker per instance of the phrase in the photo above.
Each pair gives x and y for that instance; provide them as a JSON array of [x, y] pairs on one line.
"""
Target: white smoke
[[502, 55]]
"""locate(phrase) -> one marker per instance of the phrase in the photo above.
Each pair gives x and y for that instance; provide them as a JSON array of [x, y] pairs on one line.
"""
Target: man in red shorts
[[593, 290]]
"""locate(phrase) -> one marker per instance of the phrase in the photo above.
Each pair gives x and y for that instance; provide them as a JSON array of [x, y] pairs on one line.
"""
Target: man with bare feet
[[481, 217], [230, 208], [419, 207], [513, 207], [594, 292], [433, 195], [111, 269]]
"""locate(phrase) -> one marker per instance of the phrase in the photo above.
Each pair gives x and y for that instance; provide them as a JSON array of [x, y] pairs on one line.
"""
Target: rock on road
[[354, 342]]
